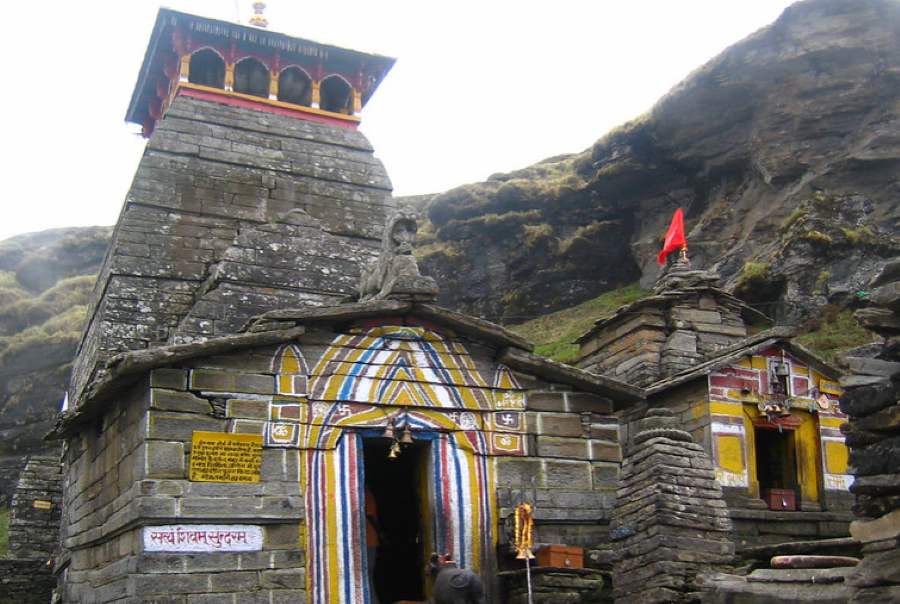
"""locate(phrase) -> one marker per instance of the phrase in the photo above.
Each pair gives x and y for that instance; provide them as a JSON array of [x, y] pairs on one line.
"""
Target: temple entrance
[[776, 466], [398, 489]]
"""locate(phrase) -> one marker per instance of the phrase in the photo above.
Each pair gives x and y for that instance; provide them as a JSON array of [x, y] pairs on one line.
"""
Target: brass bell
[[406, 438], [395, 450], [389, 430]]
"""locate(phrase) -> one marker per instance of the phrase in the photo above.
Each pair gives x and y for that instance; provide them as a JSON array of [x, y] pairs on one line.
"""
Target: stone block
[[605, 474], [876, 367], [164, 459], [573, 448], [241, 581], [185, 402], [247, 409], [211, 599], [287, 578], [279, 536], [546, 401], [578, 402], [148, 585], [514, 473], [290, 558], [605, 451], [288, 596], [273, 464], [171, 379], [696, 315], [865, 400], [886, 527], [556, 424], [561, 474], [180, 426], [211, 380]]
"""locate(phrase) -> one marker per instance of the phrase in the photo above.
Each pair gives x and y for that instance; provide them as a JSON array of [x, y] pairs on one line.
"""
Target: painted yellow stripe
[[474, 497], [832, 422], [734, 409], [331, 512]]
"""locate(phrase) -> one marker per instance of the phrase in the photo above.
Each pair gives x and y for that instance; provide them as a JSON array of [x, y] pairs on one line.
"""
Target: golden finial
[[258, 19]]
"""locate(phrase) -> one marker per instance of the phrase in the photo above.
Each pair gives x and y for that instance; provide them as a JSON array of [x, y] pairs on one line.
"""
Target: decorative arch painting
[[407, 376]]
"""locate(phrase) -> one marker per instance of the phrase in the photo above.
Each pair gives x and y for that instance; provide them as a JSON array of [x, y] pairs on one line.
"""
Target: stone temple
[[267, 406]]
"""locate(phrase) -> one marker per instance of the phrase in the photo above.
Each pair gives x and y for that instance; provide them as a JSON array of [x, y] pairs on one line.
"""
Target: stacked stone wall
[[670, 520], [570, 471], [663, 335], [872, 400], [233, 212], [26, 573]]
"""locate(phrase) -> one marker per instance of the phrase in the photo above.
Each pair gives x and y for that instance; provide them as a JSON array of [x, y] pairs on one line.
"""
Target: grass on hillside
[[553, 335], [4, 531], [834, 331]]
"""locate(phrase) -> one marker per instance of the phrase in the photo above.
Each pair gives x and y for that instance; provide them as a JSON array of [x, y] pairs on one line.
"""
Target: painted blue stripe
[[316, 523], [438, 501], [461, 503], [358, 366], [361, 512], [344, 502]]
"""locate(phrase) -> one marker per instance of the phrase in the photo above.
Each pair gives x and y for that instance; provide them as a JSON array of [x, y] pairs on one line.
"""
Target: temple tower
[[255, 191]]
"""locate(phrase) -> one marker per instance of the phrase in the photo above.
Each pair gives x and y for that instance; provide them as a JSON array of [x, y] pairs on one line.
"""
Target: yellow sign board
[[41, 504], [224, 457]]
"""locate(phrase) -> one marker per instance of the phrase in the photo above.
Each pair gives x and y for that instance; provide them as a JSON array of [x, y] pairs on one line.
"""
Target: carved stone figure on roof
[[396, 273]]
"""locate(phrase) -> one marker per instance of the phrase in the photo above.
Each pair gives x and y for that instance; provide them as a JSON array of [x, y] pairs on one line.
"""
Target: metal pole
[[528, 577]]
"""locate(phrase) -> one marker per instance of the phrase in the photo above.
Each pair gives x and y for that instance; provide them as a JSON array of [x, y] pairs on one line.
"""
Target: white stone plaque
[[203, 538]]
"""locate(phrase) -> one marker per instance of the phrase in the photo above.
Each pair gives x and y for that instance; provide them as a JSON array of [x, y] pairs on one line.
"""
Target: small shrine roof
[[747, 347]]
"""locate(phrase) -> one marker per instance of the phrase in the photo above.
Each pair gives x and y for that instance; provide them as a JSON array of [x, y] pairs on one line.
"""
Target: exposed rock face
[[784, 150], [45, 282]]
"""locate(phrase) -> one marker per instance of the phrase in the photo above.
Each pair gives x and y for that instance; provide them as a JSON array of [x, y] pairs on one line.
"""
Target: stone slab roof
[[750, 314], [278, 326], [747, 347]]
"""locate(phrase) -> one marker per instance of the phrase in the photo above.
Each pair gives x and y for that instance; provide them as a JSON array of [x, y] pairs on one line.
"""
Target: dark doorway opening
[[397, 487], [776, 463]]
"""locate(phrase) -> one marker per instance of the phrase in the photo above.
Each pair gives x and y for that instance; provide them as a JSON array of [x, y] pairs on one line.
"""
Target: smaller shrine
[[765, 409], [251, 67]]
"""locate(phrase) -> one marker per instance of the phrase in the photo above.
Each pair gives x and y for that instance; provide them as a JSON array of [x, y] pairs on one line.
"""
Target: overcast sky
[[479, 86]]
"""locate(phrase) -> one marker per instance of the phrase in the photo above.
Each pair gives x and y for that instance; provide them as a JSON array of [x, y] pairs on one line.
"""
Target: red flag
[[674, 237]]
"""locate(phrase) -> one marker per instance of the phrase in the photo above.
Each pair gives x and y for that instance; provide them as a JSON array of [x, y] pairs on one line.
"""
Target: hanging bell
[[389, 430], [406, 438], [395, 450]]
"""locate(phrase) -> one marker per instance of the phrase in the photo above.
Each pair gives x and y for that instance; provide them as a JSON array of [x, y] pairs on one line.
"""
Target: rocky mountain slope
[[45, 281], [784, 151]]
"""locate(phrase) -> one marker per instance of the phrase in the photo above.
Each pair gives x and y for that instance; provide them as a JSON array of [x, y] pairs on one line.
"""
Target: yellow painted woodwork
[[700, 409], [273, 85], [273, 102], [758, 362], [806, 442], [830, 387], [185, 71], [745, 363], [316, 95], [229, 77], [836, 457], [731, 452], [749, 412], [733, 409], [832, 422], [357, 101]]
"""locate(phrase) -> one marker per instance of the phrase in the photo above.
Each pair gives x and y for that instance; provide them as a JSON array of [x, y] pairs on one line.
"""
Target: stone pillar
[[670, 521], [873, 435]]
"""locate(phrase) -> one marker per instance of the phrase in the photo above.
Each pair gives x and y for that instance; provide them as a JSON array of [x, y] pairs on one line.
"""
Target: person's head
[[439, 561]]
